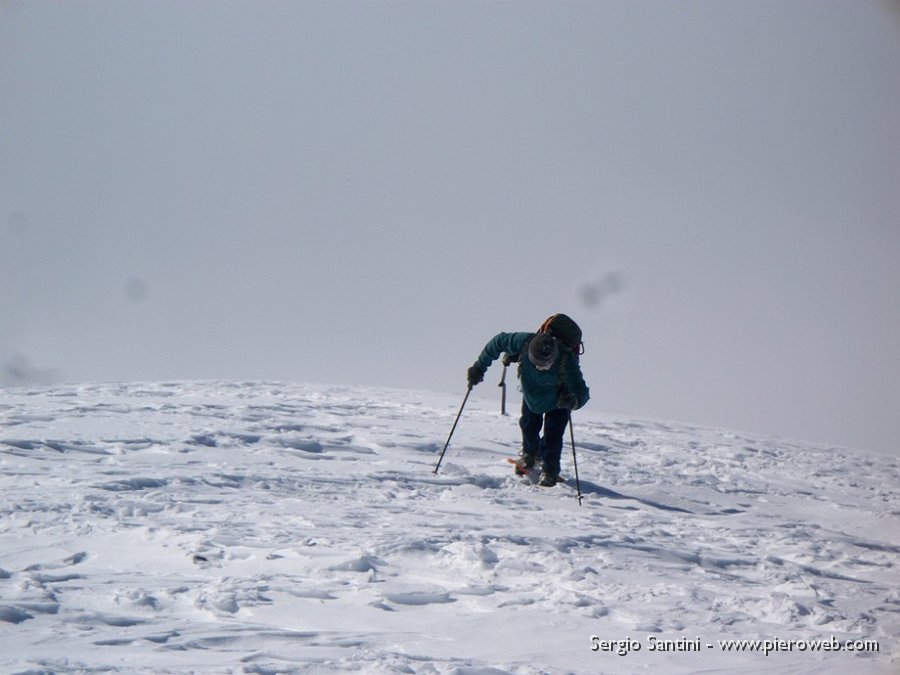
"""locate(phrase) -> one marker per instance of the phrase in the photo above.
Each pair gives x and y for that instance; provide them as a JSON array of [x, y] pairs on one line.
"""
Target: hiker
[[552, 386]]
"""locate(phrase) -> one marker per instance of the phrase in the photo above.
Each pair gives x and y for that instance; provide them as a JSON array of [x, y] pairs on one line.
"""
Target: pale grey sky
[[365, 192]]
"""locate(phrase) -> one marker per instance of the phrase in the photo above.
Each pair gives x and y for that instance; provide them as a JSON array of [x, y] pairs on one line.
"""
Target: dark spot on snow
[[13, 614], [134, 484], [205, 440], [76, 558]]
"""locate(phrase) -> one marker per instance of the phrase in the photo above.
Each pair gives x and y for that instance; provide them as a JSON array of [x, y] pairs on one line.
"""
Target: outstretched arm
[[510, 343]]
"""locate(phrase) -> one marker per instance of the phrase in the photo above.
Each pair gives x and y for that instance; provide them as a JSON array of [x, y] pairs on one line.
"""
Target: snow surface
[[246, 527]]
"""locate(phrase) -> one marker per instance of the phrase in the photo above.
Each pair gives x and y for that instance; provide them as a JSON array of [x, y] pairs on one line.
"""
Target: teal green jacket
[[540, 389]]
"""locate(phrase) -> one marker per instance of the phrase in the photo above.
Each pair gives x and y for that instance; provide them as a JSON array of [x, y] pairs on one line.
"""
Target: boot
[[548, 479]]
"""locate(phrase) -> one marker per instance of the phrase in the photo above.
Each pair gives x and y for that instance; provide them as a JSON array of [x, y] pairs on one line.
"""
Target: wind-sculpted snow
[[266, 528]]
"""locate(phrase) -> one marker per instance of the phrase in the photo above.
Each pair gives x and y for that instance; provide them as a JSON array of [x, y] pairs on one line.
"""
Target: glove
[[568, 400], [475, 375]]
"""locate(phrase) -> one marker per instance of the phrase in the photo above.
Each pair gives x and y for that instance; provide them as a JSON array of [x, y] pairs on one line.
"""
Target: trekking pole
[[575, 461], [507, 359], [502, 386], [441, 459]]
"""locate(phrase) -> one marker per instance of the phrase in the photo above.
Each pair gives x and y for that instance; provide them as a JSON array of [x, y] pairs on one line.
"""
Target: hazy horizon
[[366, 192]]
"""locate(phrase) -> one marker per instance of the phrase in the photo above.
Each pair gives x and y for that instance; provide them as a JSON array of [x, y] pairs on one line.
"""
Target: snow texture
[[247, 527]]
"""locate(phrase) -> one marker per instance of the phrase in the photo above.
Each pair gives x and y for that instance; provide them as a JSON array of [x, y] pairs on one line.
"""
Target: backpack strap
[[563, 359], [522, 356]]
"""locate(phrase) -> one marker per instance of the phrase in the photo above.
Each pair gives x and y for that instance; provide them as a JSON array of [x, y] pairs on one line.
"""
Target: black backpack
[[564, 329]]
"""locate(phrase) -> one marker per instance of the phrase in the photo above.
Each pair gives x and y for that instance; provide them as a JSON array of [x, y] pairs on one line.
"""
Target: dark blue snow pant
[[548, 447]]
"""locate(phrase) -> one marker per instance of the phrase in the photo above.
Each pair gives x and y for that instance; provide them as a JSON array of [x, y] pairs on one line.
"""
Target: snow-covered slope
[[271, 528]]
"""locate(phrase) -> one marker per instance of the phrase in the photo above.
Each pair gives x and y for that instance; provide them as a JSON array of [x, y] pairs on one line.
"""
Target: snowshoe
[[523, 463]]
